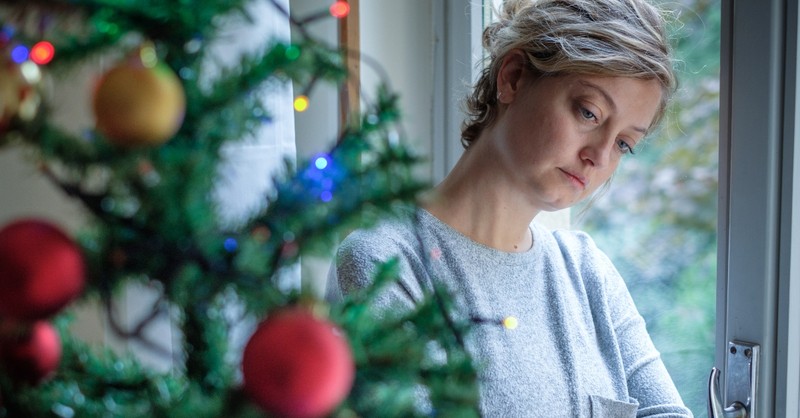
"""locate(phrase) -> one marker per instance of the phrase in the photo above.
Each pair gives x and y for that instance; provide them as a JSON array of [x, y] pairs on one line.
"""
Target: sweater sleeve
[[648, 380], [357, 261]]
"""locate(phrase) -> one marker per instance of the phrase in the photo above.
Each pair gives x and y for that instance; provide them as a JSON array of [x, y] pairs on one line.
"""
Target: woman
[[570, 88]]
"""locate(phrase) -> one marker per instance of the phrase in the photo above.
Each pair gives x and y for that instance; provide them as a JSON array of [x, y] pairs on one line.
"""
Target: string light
[[42, 53], [321, 163], [261, 233], [148, 55], [31, 72], [289, 249], [436, 253], [230, 245], [19, 54], [5, 34], [292, 52], [340, 9], [510, 322], [301, 103]]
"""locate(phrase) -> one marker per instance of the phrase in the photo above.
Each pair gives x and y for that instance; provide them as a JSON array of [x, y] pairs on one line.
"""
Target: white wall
[[397, 36], [316, 128]]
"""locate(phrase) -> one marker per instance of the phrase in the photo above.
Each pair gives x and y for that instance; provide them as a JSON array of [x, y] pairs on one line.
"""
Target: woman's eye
[[624, 147], [587, 114]]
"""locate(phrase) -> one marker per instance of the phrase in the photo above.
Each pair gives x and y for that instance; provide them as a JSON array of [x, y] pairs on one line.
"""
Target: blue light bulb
[[321, 162], [19, 54], [230, 245]]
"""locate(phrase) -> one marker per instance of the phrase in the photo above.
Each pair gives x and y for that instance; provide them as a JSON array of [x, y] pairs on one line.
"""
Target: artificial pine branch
[[173, 239]]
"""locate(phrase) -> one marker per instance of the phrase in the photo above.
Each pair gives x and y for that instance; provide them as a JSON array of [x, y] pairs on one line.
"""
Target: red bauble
[[41, 270], [33, 357], [297, 365]]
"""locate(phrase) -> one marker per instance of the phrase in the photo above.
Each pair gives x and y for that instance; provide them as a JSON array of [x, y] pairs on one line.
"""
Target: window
[[658, 220]]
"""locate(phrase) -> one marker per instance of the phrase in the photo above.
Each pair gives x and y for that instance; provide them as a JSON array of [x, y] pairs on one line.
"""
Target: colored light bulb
[[340, 9], [321, 163], [42, 53], [301, 103], [19, 54], [510, 322]]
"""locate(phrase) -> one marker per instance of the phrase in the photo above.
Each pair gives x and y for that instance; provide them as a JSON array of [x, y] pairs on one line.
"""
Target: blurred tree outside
[[658, 220]]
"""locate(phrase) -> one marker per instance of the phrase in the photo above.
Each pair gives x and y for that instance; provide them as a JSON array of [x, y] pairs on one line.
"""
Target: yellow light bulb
[[301, 103], [510, 322]]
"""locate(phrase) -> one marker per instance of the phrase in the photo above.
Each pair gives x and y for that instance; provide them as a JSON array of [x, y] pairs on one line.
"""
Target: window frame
[[758, 284], [457, 26]]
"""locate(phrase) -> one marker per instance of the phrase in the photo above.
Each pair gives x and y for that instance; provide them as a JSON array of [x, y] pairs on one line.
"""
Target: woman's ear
[[509, 78]]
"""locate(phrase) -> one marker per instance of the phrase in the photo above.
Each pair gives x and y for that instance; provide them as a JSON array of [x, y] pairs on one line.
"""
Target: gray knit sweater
[[581, 348]]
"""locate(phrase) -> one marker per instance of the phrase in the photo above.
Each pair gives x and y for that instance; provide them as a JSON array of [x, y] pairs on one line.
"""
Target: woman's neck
[[476, 201]]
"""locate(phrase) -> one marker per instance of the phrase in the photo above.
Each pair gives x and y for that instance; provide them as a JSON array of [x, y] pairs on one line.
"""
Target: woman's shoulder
[[585, 263], [363, 250], [571, 241], [385, 238], [577, 248]]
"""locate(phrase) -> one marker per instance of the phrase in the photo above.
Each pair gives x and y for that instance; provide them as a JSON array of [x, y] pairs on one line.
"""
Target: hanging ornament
[[297, 365], [20, 81], [41, 270], [33, 356], [140, 102]]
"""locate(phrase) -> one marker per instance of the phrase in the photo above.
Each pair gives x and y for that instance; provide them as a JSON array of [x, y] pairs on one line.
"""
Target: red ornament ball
[[33, 357], [297, 365], [41, 270]]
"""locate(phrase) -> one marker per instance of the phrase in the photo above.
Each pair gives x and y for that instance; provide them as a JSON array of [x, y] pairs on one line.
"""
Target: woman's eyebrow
[[606, 96]]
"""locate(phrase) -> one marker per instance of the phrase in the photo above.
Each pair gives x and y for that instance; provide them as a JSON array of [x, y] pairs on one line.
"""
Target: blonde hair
[[594, 37]]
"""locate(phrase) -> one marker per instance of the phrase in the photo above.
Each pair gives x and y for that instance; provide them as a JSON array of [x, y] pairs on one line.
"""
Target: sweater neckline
[[428, 220]]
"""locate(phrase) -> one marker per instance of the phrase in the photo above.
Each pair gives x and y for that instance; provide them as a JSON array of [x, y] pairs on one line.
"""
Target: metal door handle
[[715, 406], [741, 383]]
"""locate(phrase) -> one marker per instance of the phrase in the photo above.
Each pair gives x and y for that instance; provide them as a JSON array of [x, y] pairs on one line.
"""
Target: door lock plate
[[741, 382]]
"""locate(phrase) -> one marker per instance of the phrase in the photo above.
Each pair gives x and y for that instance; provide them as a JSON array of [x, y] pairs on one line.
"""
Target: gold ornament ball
[[138, 105]]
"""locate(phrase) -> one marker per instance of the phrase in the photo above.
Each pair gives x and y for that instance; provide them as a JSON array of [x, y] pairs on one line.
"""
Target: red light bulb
[[42, 53], [340, 9]]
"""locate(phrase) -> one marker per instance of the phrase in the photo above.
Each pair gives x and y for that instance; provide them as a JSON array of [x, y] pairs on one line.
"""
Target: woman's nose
[[597, 152]]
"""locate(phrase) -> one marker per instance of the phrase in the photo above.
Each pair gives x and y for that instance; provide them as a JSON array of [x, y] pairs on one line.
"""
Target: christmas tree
[[146, 171]]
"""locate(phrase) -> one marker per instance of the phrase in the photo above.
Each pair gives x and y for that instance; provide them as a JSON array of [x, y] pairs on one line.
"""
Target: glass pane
[[658, 220]]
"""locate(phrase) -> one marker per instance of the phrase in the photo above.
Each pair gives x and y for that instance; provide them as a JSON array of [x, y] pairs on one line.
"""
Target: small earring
[[499, 95]]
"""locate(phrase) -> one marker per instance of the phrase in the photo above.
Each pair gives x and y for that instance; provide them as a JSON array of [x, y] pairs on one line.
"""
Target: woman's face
[[560, 138]]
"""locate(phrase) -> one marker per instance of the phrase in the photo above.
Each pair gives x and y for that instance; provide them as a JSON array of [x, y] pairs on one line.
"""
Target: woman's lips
[[576, 179]]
